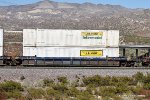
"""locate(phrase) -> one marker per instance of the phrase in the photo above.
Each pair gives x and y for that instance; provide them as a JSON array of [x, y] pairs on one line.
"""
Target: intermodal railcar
[[59, 47]]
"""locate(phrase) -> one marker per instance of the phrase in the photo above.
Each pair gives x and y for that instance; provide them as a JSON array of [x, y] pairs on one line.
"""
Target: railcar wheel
[[123, 64], [136, 65]]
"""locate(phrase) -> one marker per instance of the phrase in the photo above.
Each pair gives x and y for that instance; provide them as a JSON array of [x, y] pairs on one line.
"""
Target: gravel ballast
[[33, 76]]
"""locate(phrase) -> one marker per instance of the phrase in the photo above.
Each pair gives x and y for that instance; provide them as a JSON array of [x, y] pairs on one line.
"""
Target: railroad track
[[31, 67]]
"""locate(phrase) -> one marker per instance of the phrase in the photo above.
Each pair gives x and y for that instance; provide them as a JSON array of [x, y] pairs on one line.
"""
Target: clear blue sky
[[125, 3]]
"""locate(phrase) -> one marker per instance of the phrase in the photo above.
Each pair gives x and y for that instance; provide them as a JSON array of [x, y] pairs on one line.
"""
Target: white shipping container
[[1, 51], [1, 37], [70, 52], [77, 38], [1, 42]]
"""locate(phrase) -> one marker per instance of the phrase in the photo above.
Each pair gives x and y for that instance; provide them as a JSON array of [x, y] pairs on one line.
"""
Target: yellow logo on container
[[91, 53], [92, 35]]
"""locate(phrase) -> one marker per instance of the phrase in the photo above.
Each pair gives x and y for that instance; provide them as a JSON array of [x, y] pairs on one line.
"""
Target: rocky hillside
[[54, 15]]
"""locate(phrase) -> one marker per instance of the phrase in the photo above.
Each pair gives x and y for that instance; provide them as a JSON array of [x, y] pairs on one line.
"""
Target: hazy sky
[[125, 3]]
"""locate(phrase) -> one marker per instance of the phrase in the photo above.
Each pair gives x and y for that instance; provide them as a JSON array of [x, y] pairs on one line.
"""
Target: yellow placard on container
[[92, 33], [91, 53]]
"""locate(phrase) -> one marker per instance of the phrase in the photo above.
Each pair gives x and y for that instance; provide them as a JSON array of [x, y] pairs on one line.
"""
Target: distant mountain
[[54, 15]]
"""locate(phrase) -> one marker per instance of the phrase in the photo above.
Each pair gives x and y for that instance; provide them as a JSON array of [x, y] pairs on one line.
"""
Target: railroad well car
[[71, 47]]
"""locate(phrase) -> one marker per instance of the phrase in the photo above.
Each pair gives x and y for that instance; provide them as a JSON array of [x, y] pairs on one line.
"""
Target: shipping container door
[[1, 42], [29, 37], [29, 51], [113, 52], [113, 38], [1, 37], [41, 37]]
